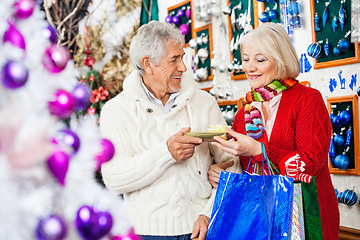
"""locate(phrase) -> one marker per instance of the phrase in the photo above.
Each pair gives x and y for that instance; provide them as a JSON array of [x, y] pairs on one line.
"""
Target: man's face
[[168, 73]]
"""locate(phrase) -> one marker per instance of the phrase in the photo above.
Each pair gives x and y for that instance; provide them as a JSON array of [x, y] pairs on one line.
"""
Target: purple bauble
[[51, 228], [128, 236], [14, 36], [55, 58], [91, 224], [58, 164], [69, 138], [180, 13], [175, 20], [184, 29], [63, 105], [168, 19], [24, 8], [82, 94], [107, 152], [50, 33], [14, 74]]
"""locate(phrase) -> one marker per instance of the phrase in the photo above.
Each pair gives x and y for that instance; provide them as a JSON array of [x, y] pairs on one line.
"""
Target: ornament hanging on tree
[[50, 33], [106, 154], [55, 58], [81, 95], [24, 8], [58, 164], [14, 74], [51, 228], [63, 104], [14, 36], [69, 139]]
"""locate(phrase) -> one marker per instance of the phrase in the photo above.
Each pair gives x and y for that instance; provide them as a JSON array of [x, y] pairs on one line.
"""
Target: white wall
[[318, 78]]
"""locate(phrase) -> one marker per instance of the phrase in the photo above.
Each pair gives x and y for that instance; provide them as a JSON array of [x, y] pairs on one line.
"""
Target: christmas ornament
[[358, 91], [180, 13], [55, 58], [327, 47], [93, 224], [334, 23], [336, 121], [13, 36], [348, 137], [345, 116], [168, 18], [344, 44], [184, 29], [175, 20], [128, 236], [81, 95], [294, 8], [295, 22], [89, 61], [264, 17], [58, 164], [68, 138], [349, 197], [193, 43], [50, 33], [338, 139], [63, 104], [14, 74], [316, 22], [24, 8], [314, 50], [203, 54], [341, 161], [336, 51], [51, 228], [342, 15], [272, 14], [331, 115], [106, 154], [188, 12], [325, 14], [201, 73], [332, 151]]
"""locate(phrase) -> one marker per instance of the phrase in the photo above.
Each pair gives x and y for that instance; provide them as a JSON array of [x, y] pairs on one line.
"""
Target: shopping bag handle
[[257, 169]]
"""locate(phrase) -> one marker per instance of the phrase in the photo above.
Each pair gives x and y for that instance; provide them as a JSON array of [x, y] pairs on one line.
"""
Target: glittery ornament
[[14, 74], [58, 164], [341, 161], [106, 154], [24, 8], [51, 228], [14, 36], [63, 104], [55, 58]]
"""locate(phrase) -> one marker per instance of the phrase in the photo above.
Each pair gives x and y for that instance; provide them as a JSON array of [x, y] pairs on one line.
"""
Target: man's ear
[[147, 64]]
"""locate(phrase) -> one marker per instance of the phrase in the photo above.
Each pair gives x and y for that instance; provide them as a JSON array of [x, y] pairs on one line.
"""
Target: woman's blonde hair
[[272, 41]]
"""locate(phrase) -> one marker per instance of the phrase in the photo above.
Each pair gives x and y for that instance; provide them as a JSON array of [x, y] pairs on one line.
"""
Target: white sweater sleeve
[[127, 172]]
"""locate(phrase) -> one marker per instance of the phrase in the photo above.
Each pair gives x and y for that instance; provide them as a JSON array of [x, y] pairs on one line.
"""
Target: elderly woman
[[290, 119]]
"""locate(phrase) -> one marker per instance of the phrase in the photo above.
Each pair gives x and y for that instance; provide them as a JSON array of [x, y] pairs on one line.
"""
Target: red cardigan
[[302, 126]]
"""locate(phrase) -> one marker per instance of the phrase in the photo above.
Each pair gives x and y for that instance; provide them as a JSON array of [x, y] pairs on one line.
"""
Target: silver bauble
[[193, 44], [202, 73]]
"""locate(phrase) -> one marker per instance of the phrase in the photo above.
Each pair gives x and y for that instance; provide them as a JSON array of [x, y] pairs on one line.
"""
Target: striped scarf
[[253, 124]]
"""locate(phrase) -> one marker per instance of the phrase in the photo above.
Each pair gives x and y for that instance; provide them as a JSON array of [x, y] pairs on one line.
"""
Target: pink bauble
[[24, 8], [188, 13], [14, 36], [58, 164], [55, 58], [128, 236], [184, 29], [63, 104], [106, 154]]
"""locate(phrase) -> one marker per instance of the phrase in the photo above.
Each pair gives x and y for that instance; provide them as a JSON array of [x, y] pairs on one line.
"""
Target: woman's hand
[[215, 170], [240, 145]]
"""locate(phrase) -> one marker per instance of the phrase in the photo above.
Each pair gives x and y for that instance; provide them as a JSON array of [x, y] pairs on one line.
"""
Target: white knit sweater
[[165, 197]]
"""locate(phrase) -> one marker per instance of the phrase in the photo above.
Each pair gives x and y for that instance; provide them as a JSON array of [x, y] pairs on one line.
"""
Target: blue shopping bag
[[251, 206]]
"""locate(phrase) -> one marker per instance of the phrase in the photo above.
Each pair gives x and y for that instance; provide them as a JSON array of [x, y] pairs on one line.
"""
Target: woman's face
[[259, 70]]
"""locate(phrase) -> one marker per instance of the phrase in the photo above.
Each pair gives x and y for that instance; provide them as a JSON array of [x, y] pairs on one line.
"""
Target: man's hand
[[200, 228], [215, 170], [182, 147]]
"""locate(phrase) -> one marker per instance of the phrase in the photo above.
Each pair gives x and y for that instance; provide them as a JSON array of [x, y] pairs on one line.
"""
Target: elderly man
[[161, 172]]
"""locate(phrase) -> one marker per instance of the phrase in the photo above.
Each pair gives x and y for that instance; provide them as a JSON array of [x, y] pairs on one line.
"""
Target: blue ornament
[[307, 64], [294, 8], [345, 117], [358, 92], [272, 14], [301, 63], [342, 15], [336, 192], [316, 22], [325, 13], [336, 121], [314, 50], [334, 23], [332, 151], [348, 137], [264, 17], [295, 22], [350, 197], [341, 161], [336, 51], [332, 115], [344, 44], [339, 139], [270, 1], [283, 2], [327, 47]]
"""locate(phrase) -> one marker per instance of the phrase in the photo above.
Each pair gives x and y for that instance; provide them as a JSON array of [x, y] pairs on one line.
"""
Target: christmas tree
[[48, 153]]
